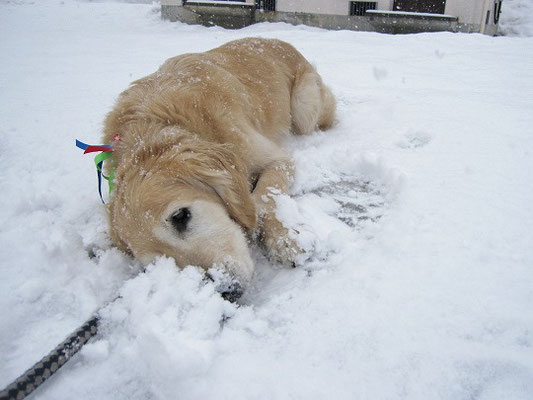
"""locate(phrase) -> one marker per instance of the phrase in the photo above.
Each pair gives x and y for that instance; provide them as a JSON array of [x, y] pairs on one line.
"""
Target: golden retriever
[[199, 160]]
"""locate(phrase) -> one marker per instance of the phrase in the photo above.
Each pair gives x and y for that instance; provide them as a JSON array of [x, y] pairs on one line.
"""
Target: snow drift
[[414, 209]]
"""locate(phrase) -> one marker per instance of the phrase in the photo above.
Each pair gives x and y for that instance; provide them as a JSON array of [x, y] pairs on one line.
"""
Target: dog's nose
[[232, 293], [229, 288]]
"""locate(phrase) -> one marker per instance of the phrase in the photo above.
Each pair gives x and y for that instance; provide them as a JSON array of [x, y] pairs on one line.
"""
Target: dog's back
[[247, 83]]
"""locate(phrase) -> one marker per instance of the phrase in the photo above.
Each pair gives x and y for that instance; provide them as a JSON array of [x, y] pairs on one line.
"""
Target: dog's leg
[[274, 180]]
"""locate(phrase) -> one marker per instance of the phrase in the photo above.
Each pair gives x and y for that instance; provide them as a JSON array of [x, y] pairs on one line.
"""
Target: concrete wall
[[231, 15], [375, 23]]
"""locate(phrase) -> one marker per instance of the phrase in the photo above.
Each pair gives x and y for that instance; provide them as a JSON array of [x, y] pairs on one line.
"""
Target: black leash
[[49, 365]]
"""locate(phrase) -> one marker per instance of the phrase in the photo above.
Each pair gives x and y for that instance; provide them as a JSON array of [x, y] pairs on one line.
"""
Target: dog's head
[[185, 198]]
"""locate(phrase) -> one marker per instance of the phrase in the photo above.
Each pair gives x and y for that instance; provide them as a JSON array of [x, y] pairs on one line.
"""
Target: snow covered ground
[[415, 209], [517, 18]]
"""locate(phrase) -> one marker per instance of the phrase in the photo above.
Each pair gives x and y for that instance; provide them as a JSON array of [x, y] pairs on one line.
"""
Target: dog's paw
[[283, 250], [279, 243]]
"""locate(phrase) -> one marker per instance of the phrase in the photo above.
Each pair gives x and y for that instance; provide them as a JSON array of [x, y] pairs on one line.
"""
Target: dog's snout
[[229, 288], [232, 293]]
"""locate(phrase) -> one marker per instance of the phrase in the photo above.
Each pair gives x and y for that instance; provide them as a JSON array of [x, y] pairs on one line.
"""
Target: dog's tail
[[312, 103]]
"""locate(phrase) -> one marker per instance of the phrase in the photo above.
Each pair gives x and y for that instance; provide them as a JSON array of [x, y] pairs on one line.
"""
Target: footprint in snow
[[413, 140], [327, 218], [359, 201]]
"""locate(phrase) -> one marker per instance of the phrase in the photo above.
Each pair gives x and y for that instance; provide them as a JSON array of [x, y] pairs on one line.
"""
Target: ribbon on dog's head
[[106, 152]]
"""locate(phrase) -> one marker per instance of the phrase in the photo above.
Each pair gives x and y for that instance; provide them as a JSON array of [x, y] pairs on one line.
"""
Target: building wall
[[333, 14], [492, 27], [474, 12], [467, 11]]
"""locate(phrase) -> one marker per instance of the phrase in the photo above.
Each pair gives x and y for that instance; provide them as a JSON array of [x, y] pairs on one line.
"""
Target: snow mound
[[516, 18]]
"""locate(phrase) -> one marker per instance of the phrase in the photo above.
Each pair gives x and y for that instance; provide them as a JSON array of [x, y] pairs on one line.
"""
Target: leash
[[53, 361], [50, 364]]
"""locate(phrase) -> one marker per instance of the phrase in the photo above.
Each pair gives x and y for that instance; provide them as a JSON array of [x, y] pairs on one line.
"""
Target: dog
[[199, 160]]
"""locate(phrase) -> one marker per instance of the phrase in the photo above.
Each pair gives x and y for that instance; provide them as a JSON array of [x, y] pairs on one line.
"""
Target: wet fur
[[195, 134]]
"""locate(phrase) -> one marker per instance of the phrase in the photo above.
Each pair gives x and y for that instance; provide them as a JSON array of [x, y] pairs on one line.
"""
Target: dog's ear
[[216, 166]]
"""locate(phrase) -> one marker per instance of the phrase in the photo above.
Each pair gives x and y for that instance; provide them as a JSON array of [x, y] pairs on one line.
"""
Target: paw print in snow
[[413, 140]]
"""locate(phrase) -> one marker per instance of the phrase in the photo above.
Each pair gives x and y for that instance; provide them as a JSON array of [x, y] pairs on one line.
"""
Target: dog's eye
[[180, 219]]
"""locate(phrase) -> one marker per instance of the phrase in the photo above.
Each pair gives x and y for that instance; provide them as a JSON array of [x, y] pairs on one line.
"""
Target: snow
[[412, 14], [414, 210], [516, 18]]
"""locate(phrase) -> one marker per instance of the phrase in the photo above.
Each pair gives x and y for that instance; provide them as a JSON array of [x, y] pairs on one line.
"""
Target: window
[[192, 1], [420, 6], [360, 7], [497, 11]]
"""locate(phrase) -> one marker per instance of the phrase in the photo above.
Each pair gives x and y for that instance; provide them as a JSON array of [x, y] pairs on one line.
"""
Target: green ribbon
[[99, 162]]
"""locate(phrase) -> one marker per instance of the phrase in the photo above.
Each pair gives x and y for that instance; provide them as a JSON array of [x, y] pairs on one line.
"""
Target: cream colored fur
[[196, 134]]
